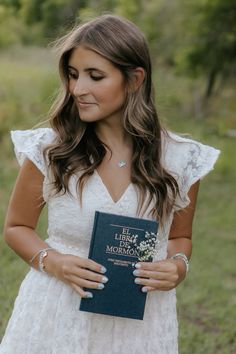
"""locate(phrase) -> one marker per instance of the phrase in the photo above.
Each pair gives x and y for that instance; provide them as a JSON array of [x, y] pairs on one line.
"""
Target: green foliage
[[11, 3], [216, 33], [129, 9], [195, 37], [48, 18], [211, 46], [31, 11], [58, 14], [10, 26], [27, 91]]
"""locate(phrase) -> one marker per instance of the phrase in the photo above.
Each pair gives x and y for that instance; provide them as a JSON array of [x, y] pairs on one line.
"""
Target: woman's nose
[[80, 87]]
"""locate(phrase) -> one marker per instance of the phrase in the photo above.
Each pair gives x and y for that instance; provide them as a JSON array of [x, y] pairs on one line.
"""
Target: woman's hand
[[167, 274], [76, 271], [161, 275]]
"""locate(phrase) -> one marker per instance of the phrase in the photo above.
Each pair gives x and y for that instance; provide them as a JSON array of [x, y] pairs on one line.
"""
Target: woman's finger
[[90, 264], [151, 274], [75, 265], [85, 283], [146, 289], [158, 266], [81, 292], [157, 284], [89, 275]]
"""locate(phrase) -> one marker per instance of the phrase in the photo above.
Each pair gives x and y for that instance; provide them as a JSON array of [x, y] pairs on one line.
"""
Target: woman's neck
[[113, 135]]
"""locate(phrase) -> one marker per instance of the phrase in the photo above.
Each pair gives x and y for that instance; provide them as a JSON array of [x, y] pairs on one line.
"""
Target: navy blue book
[[118, 242]]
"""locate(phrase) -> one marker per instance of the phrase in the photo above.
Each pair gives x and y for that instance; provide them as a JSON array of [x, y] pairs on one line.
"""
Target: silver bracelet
[[43, 254], [37, 253], [183, 257]]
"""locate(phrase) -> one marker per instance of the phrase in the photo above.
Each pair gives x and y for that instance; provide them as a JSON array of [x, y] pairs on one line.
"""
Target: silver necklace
[[121, 163]]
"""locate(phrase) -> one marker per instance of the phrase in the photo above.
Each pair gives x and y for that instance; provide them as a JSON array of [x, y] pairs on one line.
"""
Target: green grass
[[207, 298]]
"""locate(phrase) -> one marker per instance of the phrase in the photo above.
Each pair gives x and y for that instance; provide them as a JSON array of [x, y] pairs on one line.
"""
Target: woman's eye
[[96, 78], [72, 76]]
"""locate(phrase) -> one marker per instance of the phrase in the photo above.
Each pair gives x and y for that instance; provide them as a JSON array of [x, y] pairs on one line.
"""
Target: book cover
[[117, 243]]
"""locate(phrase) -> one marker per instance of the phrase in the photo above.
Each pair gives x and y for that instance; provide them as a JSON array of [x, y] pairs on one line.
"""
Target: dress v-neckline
[[107, 191]]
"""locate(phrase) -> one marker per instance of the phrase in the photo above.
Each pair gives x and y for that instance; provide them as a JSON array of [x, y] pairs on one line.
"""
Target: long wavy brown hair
[[78, 148]]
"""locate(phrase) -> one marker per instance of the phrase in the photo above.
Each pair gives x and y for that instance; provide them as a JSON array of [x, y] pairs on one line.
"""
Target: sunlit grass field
[[207, 298]]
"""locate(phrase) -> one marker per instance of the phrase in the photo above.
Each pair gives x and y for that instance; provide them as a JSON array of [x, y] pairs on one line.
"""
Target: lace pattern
[[30, 144], [189, 161]]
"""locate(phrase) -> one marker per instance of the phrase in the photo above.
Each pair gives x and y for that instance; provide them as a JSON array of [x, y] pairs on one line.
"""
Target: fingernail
[[137, 265], [144, 290], [100, 286], [103, 269], [104, 279], [89, 295], [137, 281], [136, 272]]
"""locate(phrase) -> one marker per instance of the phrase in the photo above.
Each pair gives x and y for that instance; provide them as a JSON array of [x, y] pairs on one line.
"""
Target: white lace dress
[[46, 317]]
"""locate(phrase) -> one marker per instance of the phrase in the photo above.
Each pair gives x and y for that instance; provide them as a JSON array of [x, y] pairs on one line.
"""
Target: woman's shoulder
[[33, 136], [174, 140], [187, 160], [31, 144], [181, 149]]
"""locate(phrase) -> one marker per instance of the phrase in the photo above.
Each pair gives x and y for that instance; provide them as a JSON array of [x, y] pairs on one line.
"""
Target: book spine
[[96, 216]]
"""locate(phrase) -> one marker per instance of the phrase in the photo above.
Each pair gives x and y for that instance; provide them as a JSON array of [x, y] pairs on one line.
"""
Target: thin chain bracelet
[[183, 257]]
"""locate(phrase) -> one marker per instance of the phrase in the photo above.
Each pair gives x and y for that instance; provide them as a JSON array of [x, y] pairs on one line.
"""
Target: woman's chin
[[88, 119]]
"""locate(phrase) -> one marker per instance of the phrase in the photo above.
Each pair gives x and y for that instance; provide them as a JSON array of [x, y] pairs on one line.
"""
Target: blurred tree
[[59, 14], [161, 28], [49, 17], [93, 8], [10, 3], [213, 49], [31, 11], [129, 9], [10, 26]]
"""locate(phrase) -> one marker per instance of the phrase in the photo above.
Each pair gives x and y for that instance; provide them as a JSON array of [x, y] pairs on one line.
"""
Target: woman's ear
[[137, 78]]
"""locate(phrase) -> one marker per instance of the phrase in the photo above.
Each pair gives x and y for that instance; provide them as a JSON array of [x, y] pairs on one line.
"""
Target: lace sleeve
[[188, 161], [200, 161], [30, 144]]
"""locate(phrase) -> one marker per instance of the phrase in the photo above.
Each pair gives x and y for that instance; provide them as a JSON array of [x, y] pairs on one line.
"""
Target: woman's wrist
[[43, 261], [181, 269], [182, 263], [50, 262], [184, 259]]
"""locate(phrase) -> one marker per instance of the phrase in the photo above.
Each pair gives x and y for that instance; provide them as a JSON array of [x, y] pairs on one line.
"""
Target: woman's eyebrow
[[94, 69], [87, 69], [71, 67]]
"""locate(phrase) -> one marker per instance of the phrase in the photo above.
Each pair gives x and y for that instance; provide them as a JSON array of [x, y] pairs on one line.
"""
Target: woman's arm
[[167, 274], [25, 206], [180, 236]]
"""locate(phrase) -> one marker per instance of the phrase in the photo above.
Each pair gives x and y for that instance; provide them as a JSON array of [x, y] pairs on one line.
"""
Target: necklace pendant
[[121, 163]]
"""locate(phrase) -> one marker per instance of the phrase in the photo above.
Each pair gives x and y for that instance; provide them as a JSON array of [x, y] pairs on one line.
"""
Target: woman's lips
[[85, 104]]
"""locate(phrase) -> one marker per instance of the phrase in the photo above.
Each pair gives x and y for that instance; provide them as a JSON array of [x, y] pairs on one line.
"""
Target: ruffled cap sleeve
[[188, 161], [30, 144]]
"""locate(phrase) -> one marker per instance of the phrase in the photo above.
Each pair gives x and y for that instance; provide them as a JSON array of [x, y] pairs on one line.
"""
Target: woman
[[107, 151]]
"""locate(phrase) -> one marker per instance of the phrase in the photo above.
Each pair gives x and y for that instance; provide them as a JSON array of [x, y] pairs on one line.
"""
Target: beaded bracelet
[[183, 257]]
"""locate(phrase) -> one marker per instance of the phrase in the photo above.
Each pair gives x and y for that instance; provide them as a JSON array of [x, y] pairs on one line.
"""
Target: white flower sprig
[[146, 248]]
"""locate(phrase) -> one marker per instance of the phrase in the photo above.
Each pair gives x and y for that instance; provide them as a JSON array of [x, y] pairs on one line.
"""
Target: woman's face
[[97, 86]]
